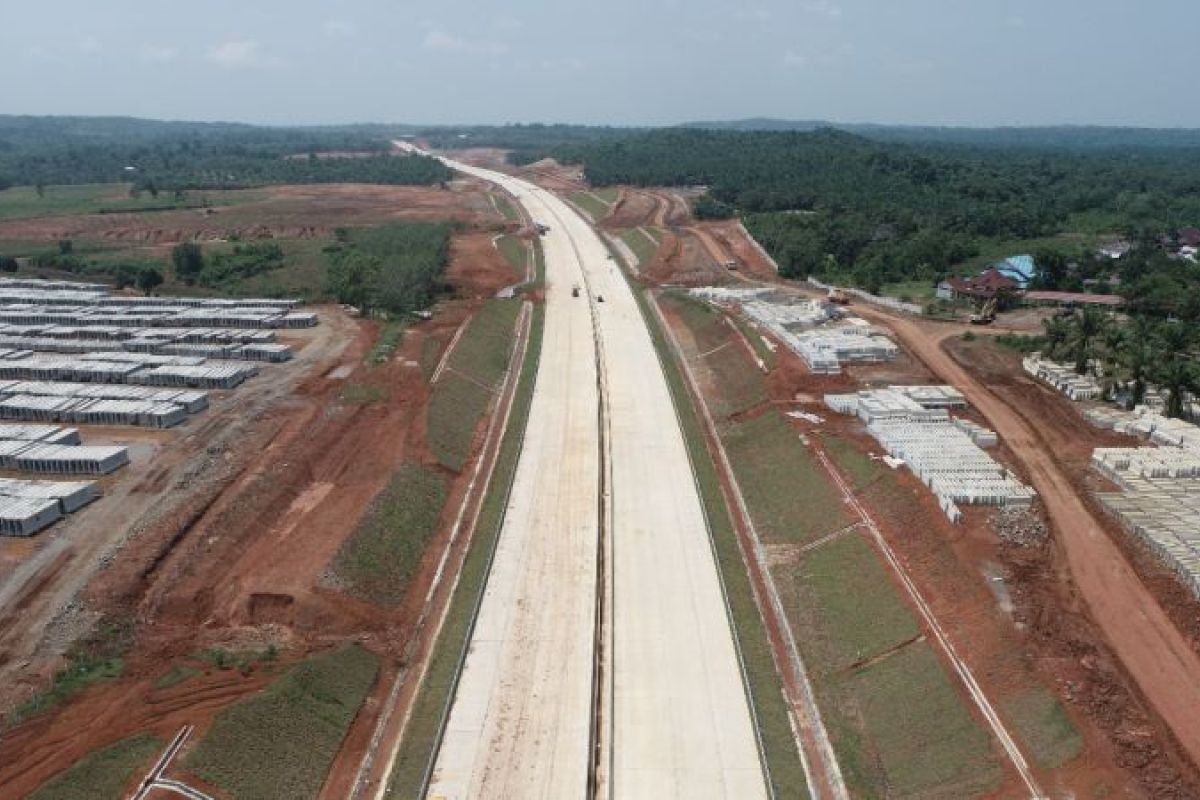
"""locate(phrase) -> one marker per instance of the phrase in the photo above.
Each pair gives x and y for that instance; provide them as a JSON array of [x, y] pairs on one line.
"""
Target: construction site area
[[626, 514], [200, 496]]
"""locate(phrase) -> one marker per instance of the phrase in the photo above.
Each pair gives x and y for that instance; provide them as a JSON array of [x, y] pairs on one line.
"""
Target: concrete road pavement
[[677, 720]]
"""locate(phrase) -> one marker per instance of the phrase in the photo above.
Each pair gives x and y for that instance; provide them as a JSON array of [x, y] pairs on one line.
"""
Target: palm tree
[[1087, 327], [1176, 371], [1057, 333], [1136, 363], [1180, 378]]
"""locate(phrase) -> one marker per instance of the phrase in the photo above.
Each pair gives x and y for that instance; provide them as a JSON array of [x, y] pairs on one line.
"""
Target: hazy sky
[[982, 62]]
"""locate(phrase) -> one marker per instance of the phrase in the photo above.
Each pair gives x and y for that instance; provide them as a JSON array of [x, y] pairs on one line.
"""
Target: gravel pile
[[1023, 527]]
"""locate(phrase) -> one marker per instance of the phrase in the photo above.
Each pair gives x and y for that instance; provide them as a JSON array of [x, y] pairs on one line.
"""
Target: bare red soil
[[273, 212], [1100, 602]]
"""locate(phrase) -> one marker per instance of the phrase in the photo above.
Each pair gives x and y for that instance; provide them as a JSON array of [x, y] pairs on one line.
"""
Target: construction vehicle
[[599, 298], [838, 296], [985, 314], [541, 228]]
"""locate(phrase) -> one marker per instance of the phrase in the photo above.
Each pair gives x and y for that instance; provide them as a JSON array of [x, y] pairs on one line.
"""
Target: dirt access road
[[1148, 644], [673, 719]]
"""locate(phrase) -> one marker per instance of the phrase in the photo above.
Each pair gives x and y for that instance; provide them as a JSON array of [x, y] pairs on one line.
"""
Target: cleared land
[[219, 535], [105, 774]]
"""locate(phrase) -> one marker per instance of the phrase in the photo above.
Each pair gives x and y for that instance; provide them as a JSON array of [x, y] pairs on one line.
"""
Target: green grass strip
[[378, 561]]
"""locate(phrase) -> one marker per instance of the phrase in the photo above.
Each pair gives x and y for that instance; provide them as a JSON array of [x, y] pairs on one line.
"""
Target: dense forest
[[391, 270], [158, 156], [841, 206]]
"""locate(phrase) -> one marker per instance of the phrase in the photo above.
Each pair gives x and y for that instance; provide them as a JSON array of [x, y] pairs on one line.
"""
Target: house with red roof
[[990, 283]]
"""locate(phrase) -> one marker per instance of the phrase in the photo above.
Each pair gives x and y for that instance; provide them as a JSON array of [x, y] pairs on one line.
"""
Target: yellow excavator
[[985, 314]]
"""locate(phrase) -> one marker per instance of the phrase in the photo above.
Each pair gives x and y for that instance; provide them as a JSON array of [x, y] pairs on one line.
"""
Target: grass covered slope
[[472, 375], [378, 561], [103, 775], [281, 742]]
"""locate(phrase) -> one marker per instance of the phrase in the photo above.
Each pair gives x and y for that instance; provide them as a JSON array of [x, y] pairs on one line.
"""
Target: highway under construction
[[603, 662]]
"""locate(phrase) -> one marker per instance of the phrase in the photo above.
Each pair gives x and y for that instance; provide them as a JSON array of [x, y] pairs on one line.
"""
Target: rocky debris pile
[[1022, 526]]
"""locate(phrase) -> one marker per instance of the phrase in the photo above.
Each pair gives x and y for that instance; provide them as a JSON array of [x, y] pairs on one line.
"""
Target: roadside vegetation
[[515, 251], [790, 497], [96, 658], [422, 736], [738, 382], [104, 774], [282, 741], [638, 241], [596, 208], [472, 375], [392, 269], [506, 207], [379, 559]]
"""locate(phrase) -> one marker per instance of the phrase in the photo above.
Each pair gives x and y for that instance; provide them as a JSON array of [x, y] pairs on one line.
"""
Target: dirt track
[[1157, 656]]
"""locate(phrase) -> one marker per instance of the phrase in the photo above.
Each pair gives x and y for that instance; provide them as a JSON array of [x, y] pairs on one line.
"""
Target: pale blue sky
[[618, 62]]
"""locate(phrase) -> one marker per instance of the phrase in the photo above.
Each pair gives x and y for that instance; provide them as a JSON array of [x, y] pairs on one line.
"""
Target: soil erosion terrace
[[603, 479]]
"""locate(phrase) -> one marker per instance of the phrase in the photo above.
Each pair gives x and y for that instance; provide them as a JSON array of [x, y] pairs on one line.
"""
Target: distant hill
[[1086, 137]]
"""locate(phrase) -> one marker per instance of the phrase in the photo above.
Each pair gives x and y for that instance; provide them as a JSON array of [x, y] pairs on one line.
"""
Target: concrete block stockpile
[[812, 329], [913, 425], [27, 507], [229, 344], [192, 401], [181, 371], [61, 459], [1159, 502], [1062, 377]]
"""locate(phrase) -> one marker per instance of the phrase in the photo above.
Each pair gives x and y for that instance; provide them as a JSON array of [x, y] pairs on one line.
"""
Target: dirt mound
[[633, 209]]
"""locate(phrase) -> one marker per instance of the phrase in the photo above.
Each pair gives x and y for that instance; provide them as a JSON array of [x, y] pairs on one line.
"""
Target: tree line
[[1129, 357], [37, 151], [844, 207], [392, 269]]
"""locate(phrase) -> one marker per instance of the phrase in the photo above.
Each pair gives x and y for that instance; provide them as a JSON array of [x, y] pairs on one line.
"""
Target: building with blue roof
[[1020, 268]]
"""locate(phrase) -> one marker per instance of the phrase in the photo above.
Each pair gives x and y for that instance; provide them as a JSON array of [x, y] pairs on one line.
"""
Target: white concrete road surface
[[676, 719]]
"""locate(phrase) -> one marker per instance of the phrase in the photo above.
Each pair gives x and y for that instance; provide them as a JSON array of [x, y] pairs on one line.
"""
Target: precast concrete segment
[[681, 725], [520, 722]]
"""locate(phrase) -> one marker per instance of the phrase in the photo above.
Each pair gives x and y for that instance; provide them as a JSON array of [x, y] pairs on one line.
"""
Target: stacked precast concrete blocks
[[913, 424], [1062, 377], [1159, 497], [76, 353], [27, 507], [808, 327], [1159, 502]]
